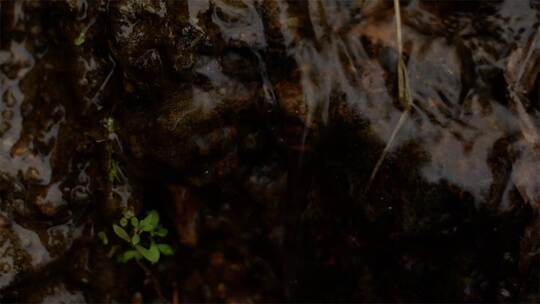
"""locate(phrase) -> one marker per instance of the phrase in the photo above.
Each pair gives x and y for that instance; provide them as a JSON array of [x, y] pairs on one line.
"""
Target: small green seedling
[[113, 171], [103, 237], [142, 237], [110, 124], [80, 39]]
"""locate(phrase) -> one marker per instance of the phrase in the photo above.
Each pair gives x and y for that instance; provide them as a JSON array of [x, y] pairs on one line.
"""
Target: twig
[[175, 295], [152, 278], [527, 126], [403, 95]]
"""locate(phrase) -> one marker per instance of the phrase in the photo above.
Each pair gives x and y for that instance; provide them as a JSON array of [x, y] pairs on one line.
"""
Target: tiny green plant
[[110, 124], [103, 237], [113, 171], [143, 237], [80, 39]]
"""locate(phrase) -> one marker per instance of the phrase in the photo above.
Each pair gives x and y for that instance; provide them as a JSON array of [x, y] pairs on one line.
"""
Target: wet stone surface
[[269, 135]]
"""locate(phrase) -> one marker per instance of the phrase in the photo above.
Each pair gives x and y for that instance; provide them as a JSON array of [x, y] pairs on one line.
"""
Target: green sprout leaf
[[162, 232], [103, 237], [129, 255], [165, 249], [110, 124], [128, 213], [136, 239], [80, 39], [113, 171], [151, 254], [112, 251], [134, 222], [150, 222], [121, 233], [123, 222]]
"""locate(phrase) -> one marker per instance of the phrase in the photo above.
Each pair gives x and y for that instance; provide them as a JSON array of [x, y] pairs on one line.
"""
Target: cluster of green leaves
[[141, 235]]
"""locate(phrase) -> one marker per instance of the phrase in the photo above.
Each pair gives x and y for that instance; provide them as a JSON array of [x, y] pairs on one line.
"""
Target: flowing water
[[296, 150]]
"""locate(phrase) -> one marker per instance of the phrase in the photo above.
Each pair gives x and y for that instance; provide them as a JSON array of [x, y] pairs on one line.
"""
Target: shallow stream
[[295, 150]]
